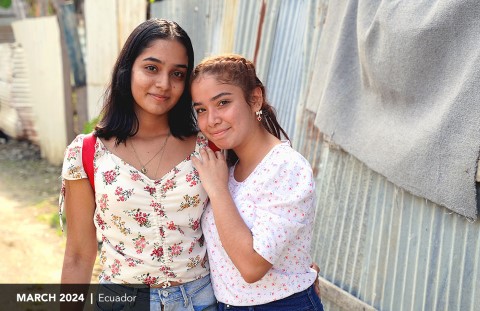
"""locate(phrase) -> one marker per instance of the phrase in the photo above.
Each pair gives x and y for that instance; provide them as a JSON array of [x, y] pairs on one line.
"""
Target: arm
[[81, 247], [238, 243]]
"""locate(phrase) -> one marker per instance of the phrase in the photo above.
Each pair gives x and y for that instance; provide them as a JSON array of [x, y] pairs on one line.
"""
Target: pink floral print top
[[277, 202], [150, 229]]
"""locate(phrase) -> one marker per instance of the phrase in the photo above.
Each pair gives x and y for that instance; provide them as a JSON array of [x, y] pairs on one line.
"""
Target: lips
[[158, 97], [218, 133]]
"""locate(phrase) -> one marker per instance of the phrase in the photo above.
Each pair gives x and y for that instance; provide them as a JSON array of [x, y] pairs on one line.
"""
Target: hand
[[213, 171], [317, 282]]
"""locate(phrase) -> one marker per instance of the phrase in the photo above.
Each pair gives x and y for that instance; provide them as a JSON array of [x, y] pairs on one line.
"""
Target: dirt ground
[[31, 243]]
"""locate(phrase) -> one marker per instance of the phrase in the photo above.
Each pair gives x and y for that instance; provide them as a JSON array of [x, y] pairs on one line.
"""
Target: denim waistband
[[165, 295], [179, 292], [303, 300]]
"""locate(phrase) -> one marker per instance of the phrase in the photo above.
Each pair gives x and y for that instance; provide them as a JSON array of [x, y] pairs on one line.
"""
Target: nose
[[162, 81], [213, 118]]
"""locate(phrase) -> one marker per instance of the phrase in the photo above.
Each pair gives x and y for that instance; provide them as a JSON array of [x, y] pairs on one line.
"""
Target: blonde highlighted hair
[[236, 70]]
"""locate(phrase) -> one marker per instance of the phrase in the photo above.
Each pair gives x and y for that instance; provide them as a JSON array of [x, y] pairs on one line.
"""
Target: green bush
[[5, 3], [90, 126]]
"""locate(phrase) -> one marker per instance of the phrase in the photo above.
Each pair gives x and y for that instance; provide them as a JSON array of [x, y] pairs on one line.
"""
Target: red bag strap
[[88, 151], [212, 146]]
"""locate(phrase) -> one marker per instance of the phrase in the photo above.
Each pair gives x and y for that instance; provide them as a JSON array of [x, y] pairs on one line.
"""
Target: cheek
[[178, 87], [138, 81], [135, 87], [202, 122]]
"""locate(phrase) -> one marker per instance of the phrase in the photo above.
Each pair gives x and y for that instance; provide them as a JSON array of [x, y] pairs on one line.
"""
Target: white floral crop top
[[150, 229]]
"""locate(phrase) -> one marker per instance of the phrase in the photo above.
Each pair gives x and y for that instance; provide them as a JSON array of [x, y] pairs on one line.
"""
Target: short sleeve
[[285, 205], [72, 162], [72, 169]]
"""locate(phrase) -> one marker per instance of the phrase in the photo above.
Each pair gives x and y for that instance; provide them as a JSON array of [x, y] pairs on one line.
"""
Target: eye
[[200, 110], [151, 68], [223, 102], [178, 74]]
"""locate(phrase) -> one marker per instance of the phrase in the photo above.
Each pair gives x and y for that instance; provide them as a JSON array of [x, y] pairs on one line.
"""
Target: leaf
[[5, 3], [88, 127]]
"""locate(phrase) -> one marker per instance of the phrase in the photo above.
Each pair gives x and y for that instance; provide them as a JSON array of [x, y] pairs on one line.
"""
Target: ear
[[257, 99]]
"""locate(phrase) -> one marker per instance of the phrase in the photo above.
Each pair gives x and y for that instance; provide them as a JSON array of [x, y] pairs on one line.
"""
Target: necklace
[[161, 156], [144, 168]]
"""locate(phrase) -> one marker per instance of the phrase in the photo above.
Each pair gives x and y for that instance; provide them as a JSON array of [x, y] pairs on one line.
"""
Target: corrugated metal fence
[[16, 113], [383, 245]]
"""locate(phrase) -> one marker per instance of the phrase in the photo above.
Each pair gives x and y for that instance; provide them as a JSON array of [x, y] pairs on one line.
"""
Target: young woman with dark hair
[[118, 116], [147, 202]]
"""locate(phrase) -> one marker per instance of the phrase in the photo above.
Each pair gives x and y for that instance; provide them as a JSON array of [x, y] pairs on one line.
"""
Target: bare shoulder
[[109, 144], [119, 150], [179, 149], [183, 146]]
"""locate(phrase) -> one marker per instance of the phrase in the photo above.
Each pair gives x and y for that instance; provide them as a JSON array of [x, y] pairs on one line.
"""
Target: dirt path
[[31, 251]]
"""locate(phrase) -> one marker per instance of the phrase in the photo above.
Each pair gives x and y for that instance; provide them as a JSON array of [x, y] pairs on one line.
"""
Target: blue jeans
[[306, 300], [192, 296]]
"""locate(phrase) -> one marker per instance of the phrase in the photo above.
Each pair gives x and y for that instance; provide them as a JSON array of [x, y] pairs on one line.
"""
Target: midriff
[[172, 283]]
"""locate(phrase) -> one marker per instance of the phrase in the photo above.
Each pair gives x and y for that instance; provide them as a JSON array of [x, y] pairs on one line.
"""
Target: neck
[[152, 134], [152, 127], [257, 147]]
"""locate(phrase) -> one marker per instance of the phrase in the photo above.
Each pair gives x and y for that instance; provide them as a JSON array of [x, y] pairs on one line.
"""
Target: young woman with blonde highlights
[[259, 220]]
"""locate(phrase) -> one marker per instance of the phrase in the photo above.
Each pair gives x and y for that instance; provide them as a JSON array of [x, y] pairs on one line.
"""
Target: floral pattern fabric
[[277, 202], [150, 229]]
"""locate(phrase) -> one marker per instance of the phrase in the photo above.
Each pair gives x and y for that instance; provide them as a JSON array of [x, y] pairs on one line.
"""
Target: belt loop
[[185, 297]]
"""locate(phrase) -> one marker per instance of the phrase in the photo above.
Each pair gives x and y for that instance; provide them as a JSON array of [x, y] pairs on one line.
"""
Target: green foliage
[[90, 126], [5, 3], [55, 222]]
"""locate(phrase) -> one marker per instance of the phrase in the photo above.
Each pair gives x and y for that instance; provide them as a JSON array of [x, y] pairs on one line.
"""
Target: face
[[223, 114], [158, 77]]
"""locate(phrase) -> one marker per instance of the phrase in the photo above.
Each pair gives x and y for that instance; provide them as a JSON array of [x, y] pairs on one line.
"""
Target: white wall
[[107, 23], [40, 38]]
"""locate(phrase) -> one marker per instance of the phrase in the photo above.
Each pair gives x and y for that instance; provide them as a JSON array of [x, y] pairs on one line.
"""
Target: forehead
[[167, 50], [207, 83], [206, 86]]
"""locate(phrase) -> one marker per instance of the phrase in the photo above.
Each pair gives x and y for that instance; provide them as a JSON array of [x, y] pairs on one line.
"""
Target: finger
[[204, 154], [196, 161], [219, 155], [210, 152], [317, 286], [317, 290]]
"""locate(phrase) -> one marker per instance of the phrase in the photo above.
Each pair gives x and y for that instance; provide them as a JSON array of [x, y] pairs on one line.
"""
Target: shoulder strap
[[212, 146], [88, 151]]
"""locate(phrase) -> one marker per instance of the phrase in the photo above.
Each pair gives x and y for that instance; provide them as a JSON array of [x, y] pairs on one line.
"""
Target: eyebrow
[[156, 60], [220, 95], [214, 97]]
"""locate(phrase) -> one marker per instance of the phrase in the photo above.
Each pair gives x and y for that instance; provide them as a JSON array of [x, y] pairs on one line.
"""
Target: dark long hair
[[236, 70], [118, 118]]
